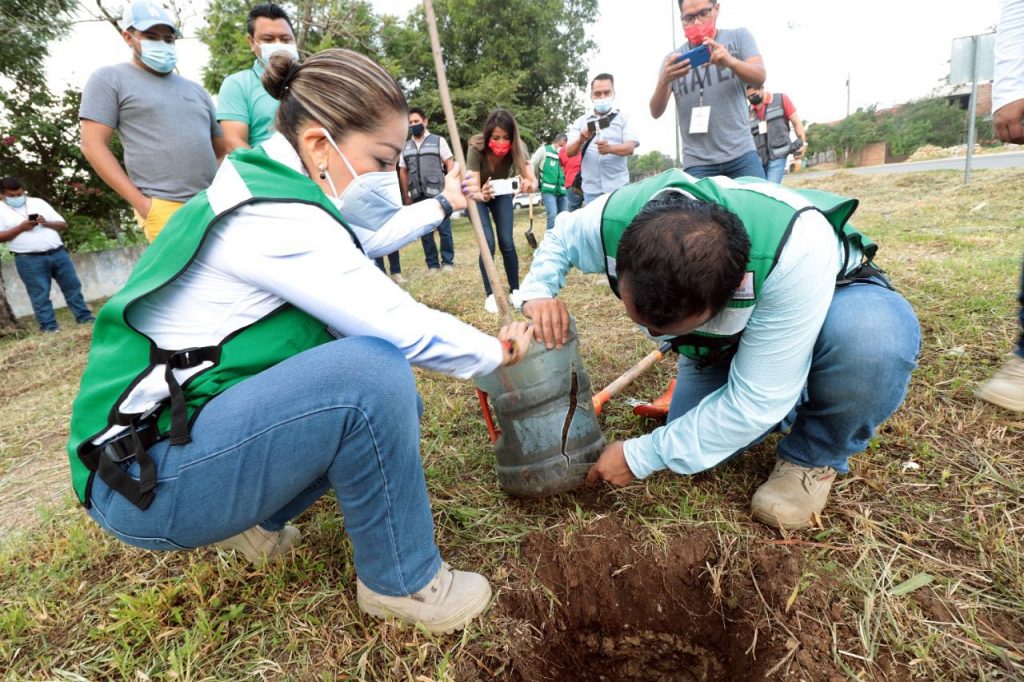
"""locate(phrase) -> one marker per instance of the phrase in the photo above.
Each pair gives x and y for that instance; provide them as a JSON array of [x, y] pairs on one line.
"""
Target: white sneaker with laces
[[259, 545], [1006, 388], [448, 602], [491, 305]]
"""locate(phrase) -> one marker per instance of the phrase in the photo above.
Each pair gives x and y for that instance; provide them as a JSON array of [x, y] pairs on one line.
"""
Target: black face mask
[[755, 99], [417, 130]]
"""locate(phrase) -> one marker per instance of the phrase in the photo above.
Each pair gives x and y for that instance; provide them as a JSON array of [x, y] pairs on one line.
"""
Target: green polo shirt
[[243, 99]]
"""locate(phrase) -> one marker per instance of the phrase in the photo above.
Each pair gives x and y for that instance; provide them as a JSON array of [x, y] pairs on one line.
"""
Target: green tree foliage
[[39, 145], [528, 56], [931, 121], [318, 26], [28, 27], [651, 163]]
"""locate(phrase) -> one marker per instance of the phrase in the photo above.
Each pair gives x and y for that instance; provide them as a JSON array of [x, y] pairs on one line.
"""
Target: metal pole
[[972, 106], [500, 296], [675, 109], [847, 95]]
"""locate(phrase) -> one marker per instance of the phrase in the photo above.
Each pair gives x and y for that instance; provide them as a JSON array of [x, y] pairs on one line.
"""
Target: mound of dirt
[[603, 608]]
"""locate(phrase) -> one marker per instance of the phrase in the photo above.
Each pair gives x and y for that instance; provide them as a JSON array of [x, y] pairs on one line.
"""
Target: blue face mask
[[16, 202], [158, 55], [370, 199], [603, 106]]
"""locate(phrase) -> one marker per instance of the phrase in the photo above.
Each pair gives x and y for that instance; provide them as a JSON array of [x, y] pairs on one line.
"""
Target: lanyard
[[701, 81]]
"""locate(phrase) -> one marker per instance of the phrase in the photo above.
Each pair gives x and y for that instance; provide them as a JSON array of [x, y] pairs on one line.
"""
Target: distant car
[[523, 200]]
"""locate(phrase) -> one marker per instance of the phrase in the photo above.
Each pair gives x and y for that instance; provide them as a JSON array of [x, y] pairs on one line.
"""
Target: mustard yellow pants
[[160, 211]]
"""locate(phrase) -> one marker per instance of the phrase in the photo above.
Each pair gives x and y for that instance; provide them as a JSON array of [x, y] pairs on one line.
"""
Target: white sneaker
[[398, 279], [1006, 388], [448, 603], [793, 495], [516, 300], [491, 305], [259, 545], [447, 267]]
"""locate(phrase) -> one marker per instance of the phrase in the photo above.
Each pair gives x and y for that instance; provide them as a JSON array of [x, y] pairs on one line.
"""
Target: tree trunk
[[8, 324]]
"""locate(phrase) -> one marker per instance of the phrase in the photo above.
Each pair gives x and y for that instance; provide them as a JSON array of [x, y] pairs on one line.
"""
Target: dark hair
[[503, 118], [602, 77], [417, 110], [681, 258], [342, 90], [266, 10], [713, 3], [10, 183]]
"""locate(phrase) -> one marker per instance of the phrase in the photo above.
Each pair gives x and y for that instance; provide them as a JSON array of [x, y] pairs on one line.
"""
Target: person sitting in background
[[31, 229], [154, 112], [499, 154], [256, 359]]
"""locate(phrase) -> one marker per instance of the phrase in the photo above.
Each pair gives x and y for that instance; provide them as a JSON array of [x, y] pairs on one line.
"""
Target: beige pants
[[160, 211]]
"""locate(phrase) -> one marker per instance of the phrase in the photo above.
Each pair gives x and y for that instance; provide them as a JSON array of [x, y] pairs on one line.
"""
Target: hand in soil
[[611, 466]]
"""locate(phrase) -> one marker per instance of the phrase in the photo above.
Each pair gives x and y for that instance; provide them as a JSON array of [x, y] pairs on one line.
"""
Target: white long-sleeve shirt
[[266, 254], [771, 365], [1009, 54]]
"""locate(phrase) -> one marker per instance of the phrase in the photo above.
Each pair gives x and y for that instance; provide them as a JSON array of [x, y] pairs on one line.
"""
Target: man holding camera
[[30, 228], [605, 139], [771, 115], [710, 98]]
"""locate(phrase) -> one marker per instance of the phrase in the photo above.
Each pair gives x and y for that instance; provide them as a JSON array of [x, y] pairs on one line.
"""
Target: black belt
[[134, 442], [40, 253]]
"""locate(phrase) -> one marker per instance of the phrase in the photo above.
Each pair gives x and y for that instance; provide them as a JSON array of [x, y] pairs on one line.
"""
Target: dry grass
[[915, 573]]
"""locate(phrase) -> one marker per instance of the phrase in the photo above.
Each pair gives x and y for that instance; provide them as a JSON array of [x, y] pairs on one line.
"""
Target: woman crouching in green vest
[[256, 358]]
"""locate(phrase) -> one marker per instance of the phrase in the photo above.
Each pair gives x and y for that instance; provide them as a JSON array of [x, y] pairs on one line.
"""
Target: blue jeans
[[775, 169], [588, 197], [268, 447], [573, 201], [501, 208], [860, 369], [394, 262], [748, 164], [553, 205], [36, 272], [447, 246]]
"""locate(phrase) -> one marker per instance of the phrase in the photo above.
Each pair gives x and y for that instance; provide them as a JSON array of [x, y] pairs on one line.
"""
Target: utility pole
[[847, 94]]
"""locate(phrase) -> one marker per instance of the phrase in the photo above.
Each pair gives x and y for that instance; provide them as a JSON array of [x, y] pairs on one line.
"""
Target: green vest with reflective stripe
[[552, 175], [120, 356], [767, 211]]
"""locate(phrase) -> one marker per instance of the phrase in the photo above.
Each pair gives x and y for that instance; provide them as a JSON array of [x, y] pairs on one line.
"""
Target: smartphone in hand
[[698, 56], [34, 217]]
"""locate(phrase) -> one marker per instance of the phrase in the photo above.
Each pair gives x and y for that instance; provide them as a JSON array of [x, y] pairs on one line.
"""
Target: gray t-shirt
[[728, 135], [165, 124]]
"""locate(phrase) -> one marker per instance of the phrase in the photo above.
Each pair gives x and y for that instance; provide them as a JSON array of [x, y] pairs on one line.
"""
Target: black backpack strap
[[181, 359]]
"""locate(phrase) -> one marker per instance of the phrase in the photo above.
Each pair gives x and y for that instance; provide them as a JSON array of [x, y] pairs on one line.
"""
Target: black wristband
[[446, 205]]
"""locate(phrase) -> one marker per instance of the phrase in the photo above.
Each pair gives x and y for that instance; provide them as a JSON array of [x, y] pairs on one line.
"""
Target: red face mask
[[499, 147], [696, 33]]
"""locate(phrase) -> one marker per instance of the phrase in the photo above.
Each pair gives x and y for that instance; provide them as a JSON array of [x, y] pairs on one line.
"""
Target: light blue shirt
[[770, 368], [604, 173]]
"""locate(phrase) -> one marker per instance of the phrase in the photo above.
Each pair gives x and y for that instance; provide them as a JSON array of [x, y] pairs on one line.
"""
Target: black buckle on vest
[[181, 359], [133, 442], [184, 359]]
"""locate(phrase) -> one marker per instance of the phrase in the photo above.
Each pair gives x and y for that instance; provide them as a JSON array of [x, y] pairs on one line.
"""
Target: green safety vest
[[767, 211], [552, 175], [120, 355]]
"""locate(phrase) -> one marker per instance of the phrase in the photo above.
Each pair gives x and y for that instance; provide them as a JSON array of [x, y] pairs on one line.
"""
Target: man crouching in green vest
[[780, 319]]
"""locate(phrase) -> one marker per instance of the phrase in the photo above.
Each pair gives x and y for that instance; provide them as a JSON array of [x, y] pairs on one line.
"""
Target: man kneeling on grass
[[780, 319]]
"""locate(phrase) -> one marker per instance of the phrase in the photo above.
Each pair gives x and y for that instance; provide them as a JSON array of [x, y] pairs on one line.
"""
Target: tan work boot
[[446, 604], [1006, 388], [792, 495], [259, 545]]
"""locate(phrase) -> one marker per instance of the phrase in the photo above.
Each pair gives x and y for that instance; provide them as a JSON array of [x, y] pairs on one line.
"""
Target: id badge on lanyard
[[700, 116]]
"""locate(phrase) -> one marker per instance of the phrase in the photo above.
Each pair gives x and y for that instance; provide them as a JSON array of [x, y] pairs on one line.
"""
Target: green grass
[[76, 604]]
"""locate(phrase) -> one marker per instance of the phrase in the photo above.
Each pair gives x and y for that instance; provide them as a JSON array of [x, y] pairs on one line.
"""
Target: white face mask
[[371, 199], [267, 49]]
